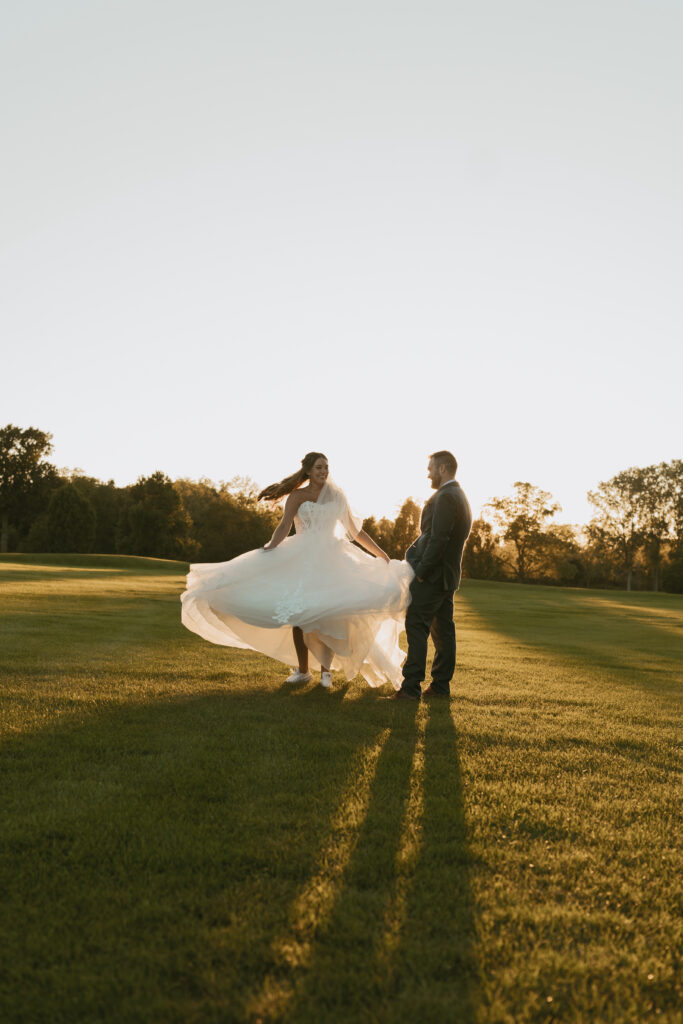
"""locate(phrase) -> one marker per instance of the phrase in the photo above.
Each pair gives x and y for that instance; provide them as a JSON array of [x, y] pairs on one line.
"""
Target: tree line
[[634, 539], [45, 510]]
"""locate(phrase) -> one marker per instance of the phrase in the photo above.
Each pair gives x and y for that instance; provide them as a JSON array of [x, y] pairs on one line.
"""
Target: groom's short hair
[[446, 459]]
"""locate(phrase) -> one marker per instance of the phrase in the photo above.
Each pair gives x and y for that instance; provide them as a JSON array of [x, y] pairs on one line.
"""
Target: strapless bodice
[[307, 513]]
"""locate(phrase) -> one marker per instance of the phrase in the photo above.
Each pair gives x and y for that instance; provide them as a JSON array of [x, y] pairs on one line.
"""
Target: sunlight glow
[[312, 907], [205, 248]]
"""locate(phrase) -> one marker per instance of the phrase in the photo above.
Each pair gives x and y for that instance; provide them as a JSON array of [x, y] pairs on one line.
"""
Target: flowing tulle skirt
[[349, 605]]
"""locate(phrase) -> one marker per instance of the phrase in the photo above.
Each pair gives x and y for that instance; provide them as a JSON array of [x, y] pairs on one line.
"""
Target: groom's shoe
[[402, 695], [431, 692]]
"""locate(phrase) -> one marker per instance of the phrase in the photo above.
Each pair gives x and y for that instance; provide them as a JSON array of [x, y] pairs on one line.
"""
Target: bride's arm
[[285, 524], [366, 541]]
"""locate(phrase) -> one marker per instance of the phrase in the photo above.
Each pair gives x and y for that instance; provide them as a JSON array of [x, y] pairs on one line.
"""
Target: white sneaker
[[299, 677], [326, 679]]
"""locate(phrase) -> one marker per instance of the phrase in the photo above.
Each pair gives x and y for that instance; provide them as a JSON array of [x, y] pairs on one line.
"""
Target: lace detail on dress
[[291, 604], [304, 515], [326, 518]]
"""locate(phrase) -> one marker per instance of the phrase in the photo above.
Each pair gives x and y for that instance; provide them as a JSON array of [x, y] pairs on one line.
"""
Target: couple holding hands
[[317, 600]]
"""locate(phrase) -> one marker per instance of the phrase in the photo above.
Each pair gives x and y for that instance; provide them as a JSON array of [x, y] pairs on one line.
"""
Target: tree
[[522, 520], [70, 521], [107, 500], [395, 537], [618, 521], [154, 521], [656, 515], [382, 532], [480, 560], [25, 477], [255, 521], [406, 528], [227, 518], [673, 473], [561, 560]]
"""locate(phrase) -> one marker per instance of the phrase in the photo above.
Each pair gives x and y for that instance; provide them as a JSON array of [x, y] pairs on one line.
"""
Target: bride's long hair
[[290, 483]]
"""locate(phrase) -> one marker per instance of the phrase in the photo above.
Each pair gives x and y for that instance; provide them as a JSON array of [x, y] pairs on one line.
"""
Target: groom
[[435, 556]]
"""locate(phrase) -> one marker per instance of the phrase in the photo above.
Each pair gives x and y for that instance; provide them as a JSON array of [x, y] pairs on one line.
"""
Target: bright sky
[[234, 231]]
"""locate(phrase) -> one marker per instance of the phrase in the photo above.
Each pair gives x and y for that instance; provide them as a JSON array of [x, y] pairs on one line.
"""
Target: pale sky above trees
[[235, 232]]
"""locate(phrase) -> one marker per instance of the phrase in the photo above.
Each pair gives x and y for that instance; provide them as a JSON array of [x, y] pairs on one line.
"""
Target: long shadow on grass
[[399, 943], [150, 853], [584, 628], [436, 964]]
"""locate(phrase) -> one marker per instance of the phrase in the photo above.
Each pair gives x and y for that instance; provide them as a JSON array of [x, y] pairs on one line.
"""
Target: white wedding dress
[[344, 600]]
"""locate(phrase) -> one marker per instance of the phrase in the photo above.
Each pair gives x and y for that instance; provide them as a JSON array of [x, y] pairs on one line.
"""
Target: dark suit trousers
[[430, 612]]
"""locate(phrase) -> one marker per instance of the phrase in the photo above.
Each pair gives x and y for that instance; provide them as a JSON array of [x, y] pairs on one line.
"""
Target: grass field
[[184, 838]]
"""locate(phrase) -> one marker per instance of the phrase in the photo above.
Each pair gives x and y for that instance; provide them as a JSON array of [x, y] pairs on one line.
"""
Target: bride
[[313, 598]]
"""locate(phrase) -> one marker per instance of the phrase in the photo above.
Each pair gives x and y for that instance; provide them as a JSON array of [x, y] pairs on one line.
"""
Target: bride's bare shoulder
[[297, 497]]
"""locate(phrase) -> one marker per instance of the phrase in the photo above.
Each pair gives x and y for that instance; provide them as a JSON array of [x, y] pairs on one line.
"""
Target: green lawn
[[184, 838]]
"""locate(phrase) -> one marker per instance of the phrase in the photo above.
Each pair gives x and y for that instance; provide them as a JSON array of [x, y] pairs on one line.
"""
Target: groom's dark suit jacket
[[446, 521]]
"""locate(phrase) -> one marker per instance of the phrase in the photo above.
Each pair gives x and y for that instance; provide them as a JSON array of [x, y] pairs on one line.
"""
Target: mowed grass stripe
[[167, 804]]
